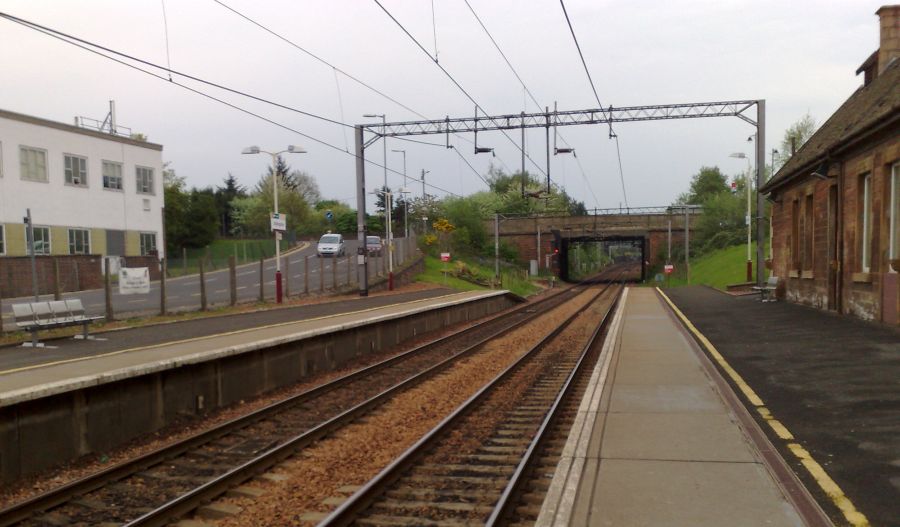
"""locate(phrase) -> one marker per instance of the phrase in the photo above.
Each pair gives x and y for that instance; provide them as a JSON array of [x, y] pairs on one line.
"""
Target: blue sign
[[329, 215]]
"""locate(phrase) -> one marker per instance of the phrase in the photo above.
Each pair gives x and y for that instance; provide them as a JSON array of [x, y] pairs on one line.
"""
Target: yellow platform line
[[828, 485], [206, 337]]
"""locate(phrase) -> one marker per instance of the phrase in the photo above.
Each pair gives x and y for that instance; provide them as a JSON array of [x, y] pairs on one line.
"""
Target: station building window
[[144, 178], [148, 243], [33, 164], [112, 175], [864, 223], [75, 168], [41, 240], [795, 234], [79, 241], [894, 213]]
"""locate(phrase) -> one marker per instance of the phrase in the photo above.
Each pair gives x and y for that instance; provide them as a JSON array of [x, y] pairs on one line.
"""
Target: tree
[[177, 205], [704, 185], [202, 218], [224, 196], [305, 185], [794, 138], [251, 213]]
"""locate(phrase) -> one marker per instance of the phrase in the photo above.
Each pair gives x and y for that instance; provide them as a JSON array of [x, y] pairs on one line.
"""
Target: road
[[183, 293]]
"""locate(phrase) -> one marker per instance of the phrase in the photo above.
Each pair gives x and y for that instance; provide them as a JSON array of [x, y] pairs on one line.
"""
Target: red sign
[[445, 257], [669, 268]]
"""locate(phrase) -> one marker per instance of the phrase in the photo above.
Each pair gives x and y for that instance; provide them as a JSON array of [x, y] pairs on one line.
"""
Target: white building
[[89, 192]]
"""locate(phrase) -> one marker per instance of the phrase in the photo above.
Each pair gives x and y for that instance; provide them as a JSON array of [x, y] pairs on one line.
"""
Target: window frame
[[66, 175], [104, 163], [808, 232], [796, 259], [46, 250], [154, 247], [86, 241], [864, 225], [22, 150], [139, 183], [894, 213]]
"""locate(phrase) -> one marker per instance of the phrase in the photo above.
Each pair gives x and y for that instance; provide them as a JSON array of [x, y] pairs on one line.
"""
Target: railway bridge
[[538, 237]]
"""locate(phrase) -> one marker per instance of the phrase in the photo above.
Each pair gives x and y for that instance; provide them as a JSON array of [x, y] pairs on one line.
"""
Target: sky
[[799, 56]]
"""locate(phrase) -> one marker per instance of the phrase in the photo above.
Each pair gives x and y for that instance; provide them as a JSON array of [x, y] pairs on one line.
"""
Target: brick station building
[[836, 202]]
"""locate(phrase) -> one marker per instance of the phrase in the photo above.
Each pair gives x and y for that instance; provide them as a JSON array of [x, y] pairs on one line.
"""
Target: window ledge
[[862, 278], [809, 275], [793, 273]]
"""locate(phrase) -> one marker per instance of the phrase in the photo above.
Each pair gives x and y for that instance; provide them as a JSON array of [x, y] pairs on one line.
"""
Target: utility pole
[[496, 245], [423, 183], [361, 258], [760, 199], [34, 284], [687, 244], [523, 154]]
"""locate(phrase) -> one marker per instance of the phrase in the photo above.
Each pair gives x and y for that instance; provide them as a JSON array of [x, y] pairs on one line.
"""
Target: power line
[[76, 42], [453, 80], [528, 91]]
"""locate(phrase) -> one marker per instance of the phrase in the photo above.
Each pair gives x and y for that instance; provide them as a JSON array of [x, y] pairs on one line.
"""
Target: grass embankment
[[512, 279], [716, 269], [215, 256]]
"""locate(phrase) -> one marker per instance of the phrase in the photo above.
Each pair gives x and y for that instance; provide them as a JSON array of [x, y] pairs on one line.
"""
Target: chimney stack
[[889, 44]]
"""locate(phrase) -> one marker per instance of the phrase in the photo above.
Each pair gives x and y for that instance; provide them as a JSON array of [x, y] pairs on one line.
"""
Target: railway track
[[489, 462], [168, 483]]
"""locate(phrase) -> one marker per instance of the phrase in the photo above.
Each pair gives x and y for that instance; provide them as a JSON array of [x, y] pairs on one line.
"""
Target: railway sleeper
[[380, 520], [426, 494], [459, 470], [428, 507], [454, 481]]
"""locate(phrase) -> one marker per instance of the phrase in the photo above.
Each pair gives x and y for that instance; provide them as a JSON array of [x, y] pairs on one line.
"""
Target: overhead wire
[[85, 45], [528, 92], [455, 82], [597, 97]]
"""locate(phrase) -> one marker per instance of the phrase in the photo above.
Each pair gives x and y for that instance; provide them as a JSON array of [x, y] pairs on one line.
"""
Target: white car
[[330, 245]]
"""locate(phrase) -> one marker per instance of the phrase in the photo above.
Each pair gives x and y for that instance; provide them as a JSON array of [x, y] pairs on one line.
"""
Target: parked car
[[330, 245], [374, 246]]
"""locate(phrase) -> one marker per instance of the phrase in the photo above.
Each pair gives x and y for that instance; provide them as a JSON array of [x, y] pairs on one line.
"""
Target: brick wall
[[76, 273]]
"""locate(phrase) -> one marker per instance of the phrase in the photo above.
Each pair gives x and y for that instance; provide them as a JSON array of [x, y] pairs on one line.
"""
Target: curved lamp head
[[294, 149], [250, 150]]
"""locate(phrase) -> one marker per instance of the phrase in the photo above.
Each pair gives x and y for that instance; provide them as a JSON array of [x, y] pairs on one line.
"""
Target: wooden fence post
[[262, 283], [306, 276], [322, 274], [162, 287], [287, 277], [232, 277], [107, 292], [202, 287], [56, 289]]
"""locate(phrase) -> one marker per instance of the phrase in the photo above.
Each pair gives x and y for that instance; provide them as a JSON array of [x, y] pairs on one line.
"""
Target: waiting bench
[[767, 292], [35, 316]]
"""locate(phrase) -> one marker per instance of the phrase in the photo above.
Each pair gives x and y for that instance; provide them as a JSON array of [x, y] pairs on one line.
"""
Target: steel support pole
[[496, 246], [34, 282], [388, 205], [278, 293], [687, 245], [523, 155], [760, 199], [547, 129], [362, 258]]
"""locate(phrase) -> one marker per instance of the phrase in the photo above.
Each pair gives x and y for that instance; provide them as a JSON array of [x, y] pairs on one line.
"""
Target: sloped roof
[[867, 106]]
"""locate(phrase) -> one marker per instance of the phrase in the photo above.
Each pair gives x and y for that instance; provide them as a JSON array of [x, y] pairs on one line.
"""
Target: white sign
[[445, 257], [669, 268], [279, 222], [134, 281]]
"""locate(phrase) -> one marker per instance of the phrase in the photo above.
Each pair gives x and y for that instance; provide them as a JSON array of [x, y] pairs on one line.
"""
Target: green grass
[[716, 269], [216, 255], [513, 279]]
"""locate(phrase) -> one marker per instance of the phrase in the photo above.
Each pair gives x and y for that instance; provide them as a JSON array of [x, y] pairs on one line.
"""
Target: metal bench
[[767, 292], [35, 316]]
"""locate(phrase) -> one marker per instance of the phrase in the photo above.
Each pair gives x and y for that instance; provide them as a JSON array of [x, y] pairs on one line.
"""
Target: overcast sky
[[799, 56]]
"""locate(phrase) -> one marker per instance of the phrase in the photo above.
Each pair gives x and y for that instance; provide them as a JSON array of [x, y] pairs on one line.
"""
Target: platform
[[658, 442]]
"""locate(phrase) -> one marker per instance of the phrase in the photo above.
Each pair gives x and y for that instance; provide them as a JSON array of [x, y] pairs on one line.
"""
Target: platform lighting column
[[760, 181], [387, 205], [749, 184], [405, 204], [291, 149]]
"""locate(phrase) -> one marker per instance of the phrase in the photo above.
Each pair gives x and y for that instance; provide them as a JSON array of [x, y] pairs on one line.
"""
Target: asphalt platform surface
[[832, 380], [12, 357]]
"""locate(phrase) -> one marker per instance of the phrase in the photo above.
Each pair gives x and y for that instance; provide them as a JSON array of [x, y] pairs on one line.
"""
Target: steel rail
[[348, 511], [65, 493], [501, 508]]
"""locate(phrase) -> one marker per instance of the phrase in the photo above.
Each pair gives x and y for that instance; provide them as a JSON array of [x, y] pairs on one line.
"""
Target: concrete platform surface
[[45, 379], [833, 381], [656, 443]]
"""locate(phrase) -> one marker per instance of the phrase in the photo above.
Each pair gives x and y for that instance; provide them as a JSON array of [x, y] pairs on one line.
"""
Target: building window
[[808, 233], [865, 223], [79, 241], [76, 170], [2, 239], [148, 243], [112, 175], [795, 234], [894, 213], [41, 240], [144, 180], [33, 163]]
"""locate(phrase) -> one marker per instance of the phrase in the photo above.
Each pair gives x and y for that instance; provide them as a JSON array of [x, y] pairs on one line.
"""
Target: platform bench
[[767, 292], [35, 316]]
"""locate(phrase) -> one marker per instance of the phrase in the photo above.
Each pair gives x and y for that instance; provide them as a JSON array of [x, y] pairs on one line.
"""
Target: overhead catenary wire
[[528, 92], [84, 46], [454, 81]]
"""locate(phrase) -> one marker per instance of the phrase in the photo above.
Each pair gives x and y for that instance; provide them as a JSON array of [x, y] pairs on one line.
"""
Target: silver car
[[330, 245]]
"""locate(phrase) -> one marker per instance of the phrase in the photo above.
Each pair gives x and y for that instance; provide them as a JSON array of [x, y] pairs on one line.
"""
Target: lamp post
[[387, 208], [404, 191], [741, 155], [387, 205], [291, 149]]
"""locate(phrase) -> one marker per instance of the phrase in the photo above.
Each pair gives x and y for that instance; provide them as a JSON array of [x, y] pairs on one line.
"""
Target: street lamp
[[387, 205], [404, 190], [741, 155], [291, 149]]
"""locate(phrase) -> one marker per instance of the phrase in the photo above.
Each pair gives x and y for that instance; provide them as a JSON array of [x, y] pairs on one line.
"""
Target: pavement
[[15, 357], [656, 440], [832, 381]]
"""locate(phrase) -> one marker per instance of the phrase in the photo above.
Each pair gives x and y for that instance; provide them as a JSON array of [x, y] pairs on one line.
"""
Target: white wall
[[56, 203]]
